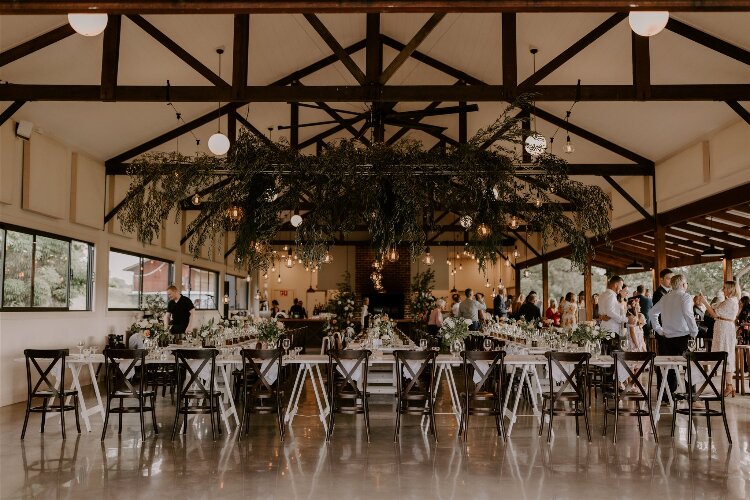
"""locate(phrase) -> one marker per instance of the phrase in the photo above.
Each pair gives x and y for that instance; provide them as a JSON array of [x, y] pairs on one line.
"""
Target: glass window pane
[[155, 278], [79, 276], [211, 288], [17, 283], [51, 272], [230, 283], [124, 280], [242, 288], [2, 255]]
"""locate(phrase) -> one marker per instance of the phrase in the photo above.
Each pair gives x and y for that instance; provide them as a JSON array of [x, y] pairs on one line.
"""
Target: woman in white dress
[[636, 320], [725, 331]]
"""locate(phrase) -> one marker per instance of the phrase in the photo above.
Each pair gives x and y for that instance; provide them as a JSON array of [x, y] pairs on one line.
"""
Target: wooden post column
[[545, 286], [588, 291], [660, 251], [518, 280], [726, 263]]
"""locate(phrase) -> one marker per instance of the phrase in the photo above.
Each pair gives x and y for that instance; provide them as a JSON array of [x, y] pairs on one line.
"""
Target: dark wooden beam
[[296, 6], [737, 219], [434, 63], [240, 54], [110, 58], [525, 242], [618, 169], [385, 94], [574, 49], [641, 66], [403, 130], [509, 54], [676, 232], [446, 110], [187, 202], [724, 200], [525, 117], [410, 47], [10, 111], [232, 127], [737, 107], [294, 124], [463, 128], [628, 197], [713, 234], [327, 133], [172, 134], [177, 50], [333, 114], [723, 226], [252, 128], [37, 43], [709, 41], [374, 49], [591, 137], [336, 47]]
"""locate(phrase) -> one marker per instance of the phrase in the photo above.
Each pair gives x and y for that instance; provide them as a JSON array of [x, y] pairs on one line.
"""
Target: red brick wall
[[396, 275]]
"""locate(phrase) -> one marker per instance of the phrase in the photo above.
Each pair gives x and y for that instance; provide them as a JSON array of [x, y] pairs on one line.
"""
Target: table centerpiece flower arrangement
[[268, 330], [588, 332], [382, 328], [152, 330], [454, 330]]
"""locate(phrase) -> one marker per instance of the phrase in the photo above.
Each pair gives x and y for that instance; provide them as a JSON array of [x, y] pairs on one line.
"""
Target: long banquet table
[[526, 365]]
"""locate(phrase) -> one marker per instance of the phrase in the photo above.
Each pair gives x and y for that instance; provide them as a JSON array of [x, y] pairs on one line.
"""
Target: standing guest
[[456, 302], [595, 306], [436, 318], [516, 314], [665, 278], [645, 304], [647, 293], [479, 296], [304, 311], [469, 309], [610, 312], [624, 293], [673, 320], [296, 311], [499, 308], [551, 315], [179, 316], [529, 311], [365, 313], [698, 308], [636, 320], [570, 311], [725, 336], [275, 308], [581, 307]]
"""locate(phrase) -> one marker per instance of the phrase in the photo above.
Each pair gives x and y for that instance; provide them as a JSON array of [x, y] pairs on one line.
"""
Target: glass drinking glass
[[487, 344], [624, 344], [80, 345], [691, 344], [286, 344]]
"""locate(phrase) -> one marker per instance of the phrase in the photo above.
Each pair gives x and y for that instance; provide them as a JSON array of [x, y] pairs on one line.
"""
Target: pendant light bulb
[[513, 222], [88, 24], [196, 199], [278, 280], [218, 144], [569, 146], [296, 220], [647, 23]]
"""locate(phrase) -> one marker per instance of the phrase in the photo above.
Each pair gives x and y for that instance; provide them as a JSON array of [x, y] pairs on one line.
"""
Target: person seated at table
[[529, 311], [136, 340], [274, 308], [551, 315], [516, 308], [436, 318]]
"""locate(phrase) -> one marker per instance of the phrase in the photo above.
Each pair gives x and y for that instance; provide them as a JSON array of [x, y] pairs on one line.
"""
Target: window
[[237, 290], [44, 271], [133, 276], [200, 286]]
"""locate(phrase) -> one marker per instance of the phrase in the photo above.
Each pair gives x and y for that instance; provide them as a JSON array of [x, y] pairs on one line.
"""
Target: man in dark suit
[[646, 305], [665, 276]]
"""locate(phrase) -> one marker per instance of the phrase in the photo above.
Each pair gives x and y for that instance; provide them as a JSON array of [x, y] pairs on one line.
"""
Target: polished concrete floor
[[304, 466]]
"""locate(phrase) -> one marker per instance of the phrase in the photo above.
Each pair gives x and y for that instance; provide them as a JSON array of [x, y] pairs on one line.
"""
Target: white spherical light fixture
[[465, 221], [218, 144], [88, 24], [535, 144], [296, 220], [646, 23]]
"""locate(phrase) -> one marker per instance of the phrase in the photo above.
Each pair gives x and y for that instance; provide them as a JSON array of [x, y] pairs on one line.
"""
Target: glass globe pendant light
[[88, 24], [218, 143], [392, 254], [648, 23], [428, 259]]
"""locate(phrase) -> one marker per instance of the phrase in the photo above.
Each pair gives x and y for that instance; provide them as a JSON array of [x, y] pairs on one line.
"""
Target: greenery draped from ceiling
[[391, 190]]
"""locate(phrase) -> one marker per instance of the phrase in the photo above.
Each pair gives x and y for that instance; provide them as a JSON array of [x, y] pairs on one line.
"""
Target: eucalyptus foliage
[[392, 190]]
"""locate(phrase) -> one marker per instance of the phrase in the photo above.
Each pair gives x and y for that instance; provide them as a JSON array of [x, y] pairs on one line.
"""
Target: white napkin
[[480, 370], [205, 373], [124, 364], [557, 374]]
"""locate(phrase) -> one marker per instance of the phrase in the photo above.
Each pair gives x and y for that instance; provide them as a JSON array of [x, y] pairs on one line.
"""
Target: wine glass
[[286, 344], [422, 344], [457, 346], [691, 344], [80, 345], [624, 344], [487, 344]]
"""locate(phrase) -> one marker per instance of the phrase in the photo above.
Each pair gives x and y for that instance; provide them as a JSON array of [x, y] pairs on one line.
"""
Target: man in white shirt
[[610, 311], [677, 325]]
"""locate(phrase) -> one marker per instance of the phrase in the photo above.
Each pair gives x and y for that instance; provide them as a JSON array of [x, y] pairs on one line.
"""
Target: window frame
[[141, 256], [246, 284], [45, 234], [189, 288]]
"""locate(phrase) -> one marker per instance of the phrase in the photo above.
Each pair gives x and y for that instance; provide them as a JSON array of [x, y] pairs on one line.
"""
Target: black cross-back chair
[[190, 387], [344, 393], [577, 379], [490, 389], [258, 393], [417, 389], [706, 392], [633, 391], [120, 387], [48, 391]]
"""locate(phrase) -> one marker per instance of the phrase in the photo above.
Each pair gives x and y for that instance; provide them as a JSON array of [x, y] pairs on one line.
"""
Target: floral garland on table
[[208, 333], [268, 329], [382, 327], [587, 331], [454, 329], [151, 329], [386, 187], [494, 327]]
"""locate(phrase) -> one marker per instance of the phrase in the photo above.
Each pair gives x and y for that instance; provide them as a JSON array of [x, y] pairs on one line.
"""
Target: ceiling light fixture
[[218, 143], [428, 259], [88, 24], [635, 266], [648, 23]]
